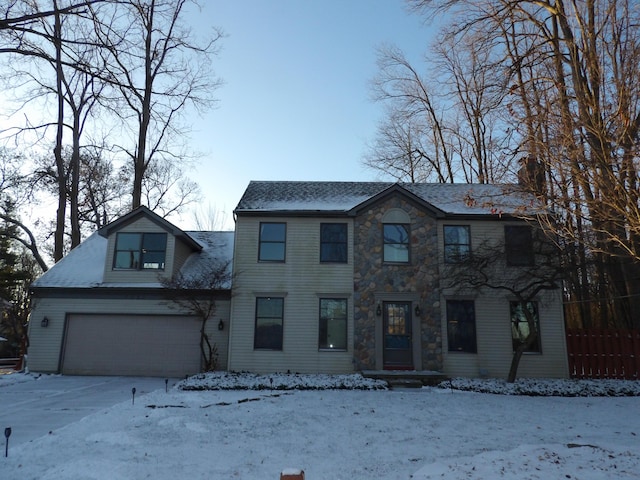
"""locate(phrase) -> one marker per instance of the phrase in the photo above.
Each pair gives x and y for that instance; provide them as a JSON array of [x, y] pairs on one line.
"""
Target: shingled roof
[[83, 267], [349, 197]]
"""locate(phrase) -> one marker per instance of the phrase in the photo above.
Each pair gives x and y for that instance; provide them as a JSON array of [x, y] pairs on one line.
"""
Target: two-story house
[[101, 310], [328, 277], [346, 276]]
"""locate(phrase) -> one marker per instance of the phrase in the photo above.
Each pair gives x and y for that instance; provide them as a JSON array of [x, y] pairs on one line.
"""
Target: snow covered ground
[[255, 427]]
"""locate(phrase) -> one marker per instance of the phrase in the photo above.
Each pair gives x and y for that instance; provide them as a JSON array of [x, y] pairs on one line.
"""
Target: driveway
[[40, 405]]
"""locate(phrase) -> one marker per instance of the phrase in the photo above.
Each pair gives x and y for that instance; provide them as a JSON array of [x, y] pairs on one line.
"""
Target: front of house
[[345, 276], [329, 277]]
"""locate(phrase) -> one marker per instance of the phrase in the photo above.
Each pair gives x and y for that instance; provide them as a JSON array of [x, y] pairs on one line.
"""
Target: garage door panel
[[131, 345]]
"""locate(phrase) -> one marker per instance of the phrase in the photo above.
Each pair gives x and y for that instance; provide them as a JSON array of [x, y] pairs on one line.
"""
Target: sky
[[422, 434], [296, 100]]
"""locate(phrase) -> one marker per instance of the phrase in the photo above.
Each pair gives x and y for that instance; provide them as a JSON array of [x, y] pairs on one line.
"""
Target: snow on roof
[[450, 198], [83, 267], [217, 249]]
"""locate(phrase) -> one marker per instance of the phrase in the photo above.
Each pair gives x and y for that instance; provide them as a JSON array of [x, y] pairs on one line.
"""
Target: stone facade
[[417, 281]]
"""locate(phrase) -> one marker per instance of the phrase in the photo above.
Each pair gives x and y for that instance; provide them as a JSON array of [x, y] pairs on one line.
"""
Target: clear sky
[[296, 102]]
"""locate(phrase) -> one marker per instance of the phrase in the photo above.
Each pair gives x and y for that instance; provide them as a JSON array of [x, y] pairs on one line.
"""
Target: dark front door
[[397, 354]]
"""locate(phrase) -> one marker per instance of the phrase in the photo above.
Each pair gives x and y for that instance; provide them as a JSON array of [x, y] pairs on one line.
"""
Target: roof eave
[[399, 189], [146, 212], [120, 292], [291, 213]]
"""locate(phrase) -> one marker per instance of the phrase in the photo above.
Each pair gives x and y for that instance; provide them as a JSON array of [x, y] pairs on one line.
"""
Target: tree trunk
[[532, 337], [140, 161], [515, 363], [74, 188], [58, 248]]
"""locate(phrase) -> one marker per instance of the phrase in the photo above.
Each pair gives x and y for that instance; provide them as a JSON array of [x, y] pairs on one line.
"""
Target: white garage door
[[135, 345]]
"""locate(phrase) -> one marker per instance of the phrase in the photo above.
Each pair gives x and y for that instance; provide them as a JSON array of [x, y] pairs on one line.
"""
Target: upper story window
[[333, 242], [396, 242], [457, 243], [273, 237], [518, 245], [140, 251]]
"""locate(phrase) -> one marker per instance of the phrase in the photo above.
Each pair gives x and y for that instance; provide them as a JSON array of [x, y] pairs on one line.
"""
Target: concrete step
[[404, 383]]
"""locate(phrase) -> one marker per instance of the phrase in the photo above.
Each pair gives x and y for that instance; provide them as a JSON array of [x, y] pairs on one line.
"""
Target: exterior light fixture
[[220, 325], [417, 310], [45, 322], [379, 310]]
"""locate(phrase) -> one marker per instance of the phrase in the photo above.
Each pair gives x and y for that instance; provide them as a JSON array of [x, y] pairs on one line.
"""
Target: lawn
[[253, 427]]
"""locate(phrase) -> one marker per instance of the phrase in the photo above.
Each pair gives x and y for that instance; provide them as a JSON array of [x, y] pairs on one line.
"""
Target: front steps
[[406, 378]]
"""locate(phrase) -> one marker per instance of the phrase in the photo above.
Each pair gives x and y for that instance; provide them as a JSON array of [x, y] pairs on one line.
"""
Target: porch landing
[[406, 378]]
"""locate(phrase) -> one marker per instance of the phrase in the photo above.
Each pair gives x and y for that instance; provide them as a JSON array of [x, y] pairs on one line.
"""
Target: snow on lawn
[[256, 432]]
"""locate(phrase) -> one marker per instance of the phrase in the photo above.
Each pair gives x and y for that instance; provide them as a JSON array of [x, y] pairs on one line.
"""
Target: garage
[[132, 345]]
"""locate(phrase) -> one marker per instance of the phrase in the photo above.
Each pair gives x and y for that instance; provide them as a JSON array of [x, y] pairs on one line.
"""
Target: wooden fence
[[599, 353]]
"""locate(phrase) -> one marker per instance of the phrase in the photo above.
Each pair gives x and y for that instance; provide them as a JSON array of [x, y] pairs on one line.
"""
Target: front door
[[397, 354]]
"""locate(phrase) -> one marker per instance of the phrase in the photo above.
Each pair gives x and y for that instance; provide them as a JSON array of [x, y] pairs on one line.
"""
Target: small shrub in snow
[[547, 387], [279, 381], [355, 381]]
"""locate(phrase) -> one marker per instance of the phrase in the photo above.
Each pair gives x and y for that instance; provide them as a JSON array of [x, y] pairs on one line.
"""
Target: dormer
[[142, 247]]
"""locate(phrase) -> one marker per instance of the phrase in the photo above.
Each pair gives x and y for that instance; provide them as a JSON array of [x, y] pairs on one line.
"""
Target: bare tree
[[476, 93], [57, 41], [456, 134], [16, 190], [208, 218], [413, 143], [571, 88], [398, 151], [102, 189], [158, 70], [21, 14], [197, 294]]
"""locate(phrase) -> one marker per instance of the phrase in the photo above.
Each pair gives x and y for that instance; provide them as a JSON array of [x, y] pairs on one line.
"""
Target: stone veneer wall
[[373, 278]]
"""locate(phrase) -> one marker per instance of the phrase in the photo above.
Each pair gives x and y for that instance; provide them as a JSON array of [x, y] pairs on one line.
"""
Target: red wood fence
[[599, 353]]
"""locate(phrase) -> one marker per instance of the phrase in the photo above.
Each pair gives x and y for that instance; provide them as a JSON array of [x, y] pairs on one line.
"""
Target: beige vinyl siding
[[46, 343], [493, 323], [493, 336], [302, 280], [142, 225], [180, 254], [220, 338]]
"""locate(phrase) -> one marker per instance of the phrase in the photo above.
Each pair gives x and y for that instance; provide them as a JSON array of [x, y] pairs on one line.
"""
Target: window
[[518, 245], [396, 242], [461, 326], [333, 324], [457, 243], [269, 316], [140, 251], [333, 242], [272, 242], [520, 326]]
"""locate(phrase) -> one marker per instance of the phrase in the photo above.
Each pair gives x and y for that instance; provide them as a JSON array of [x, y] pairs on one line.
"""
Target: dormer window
[[140, 251]]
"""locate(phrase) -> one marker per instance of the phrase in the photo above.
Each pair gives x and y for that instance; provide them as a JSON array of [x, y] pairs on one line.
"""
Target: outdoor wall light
[[379, 309], [45, 322], [220, 325], [417, 310]]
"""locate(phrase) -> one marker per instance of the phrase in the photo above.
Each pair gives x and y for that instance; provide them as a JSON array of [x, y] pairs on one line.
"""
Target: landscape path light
[[7, 434]]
